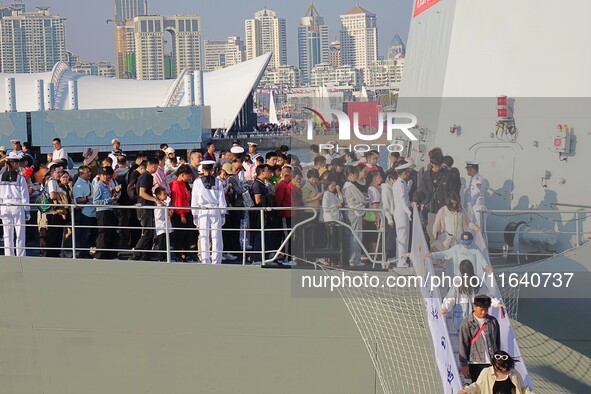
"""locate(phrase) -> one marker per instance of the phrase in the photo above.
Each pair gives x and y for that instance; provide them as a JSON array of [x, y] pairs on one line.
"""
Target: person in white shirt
[[14, 190], [388, 206], [460, 299], [355, 202], [402, 213], [208, 192], [374, 219], [116, 152], [162, 222], [464, 251], [332, 201], [475, 191], [59, 155], [450, 222]]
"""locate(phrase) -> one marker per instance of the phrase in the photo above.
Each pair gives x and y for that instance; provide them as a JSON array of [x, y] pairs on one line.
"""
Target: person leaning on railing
[[86, 217], [104, 194], [57, 216], [14, 190], [181, 218]]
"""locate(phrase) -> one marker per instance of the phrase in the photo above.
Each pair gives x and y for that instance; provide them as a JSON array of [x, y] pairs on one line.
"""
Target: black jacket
[[436, 187]]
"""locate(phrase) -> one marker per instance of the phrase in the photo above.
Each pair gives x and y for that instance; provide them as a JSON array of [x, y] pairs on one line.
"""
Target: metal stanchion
[[166, 228], [73, 214]]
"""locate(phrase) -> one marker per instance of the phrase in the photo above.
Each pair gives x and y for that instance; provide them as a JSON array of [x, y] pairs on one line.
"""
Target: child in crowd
[[162, 222], [276, 175]]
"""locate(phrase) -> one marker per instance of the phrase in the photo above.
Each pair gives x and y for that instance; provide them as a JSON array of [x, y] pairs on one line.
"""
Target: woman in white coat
[[451, 221], [402, 213]]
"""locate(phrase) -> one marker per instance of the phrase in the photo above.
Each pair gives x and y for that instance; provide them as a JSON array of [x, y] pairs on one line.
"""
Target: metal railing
[[267, 254]]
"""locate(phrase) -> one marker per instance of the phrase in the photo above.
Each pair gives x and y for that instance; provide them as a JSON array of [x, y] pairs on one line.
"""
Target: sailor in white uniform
[[475, 192], [252, 150], [14, 190], [208, 192], [402, 213]]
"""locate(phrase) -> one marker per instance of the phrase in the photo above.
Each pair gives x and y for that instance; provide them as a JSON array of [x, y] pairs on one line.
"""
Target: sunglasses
[[503, 357]]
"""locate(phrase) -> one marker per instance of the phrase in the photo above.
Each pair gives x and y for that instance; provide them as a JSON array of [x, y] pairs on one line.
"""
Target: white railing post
[[166, 228], [263, 254], [73, 214]]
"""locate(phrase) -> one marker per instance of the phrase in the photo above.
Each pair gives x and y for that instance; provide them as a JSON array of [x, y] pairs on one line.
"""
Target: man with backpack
[[132, 194], [124, 215]]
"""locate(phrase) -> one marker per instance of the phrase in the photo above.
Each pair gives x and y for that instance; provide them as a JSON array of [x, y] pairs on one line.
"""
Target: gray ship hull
[[121, 327]]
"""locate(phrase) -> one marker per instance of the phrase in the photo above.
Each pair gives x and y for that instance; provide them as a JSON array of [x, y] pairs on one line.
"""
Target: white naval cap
[[471, 163], [14, 156], [237, 149], [252, 143], [405, 166], [208, 162]]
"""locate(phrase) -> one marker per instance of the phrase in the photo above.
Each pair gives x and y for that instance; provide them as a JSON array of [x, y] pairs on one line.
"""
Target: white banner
[[444, 355]]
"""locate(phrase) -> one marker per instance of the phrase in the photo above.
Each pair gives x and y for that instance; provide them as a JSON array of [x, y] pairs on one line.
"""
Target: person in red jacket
[[283, 200], [182, 220]]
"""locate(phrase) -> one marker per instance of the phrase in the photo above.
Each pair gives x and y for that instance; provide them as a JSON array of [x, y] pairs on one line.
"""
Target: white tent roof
[[225, 90]]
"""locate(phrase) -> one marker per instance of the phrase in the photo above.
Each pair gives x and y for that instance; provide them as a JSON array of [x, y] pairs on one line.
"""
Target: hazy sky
[[89, 36]]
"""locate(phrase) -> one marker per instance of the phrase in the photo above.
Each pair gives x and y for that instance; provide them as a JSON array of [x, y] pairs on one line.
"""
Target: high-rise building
[[334, 53], [124, 12], [32, 42], [359, 38], [220, 54], [397, 48], [266, 33], [71, 59], [125, 44], [9, 9], [150, 45], [312, 42], [129, 9]]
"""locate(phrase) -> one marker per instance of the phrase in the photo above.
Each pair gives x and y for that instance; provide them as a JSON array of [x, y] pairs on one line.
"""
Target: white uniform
[[475, 197], [209, 221], [402, 216], [13, 190]]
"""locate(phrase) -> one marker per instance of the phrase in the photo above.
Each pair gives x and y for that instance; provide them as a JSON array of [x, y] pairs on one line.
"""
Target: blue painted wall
[[136, 128]]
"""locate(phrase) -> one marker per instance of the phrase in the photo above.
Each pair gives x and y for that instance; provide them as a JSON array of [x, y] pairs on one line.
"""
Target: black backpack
[[132, 192]]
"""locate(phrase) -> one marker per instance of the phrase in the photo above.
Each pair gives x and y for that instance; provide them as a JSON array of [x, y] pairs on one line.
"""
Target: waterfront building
[[101, 69], [223, 53], [313, 47], [72, 59], [150, 46], [325, 74], [385, 74], [282, 77], [266, 33], [31, 41], [359, 38]]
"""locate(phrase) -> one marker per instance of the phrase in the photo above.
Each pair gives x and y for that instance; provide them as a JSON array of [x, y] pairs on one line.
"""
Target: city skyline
[[393, 18]]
